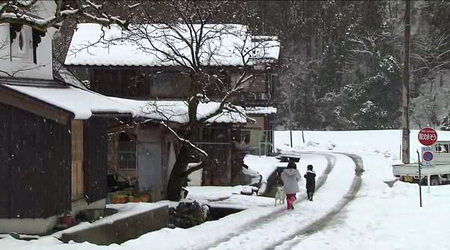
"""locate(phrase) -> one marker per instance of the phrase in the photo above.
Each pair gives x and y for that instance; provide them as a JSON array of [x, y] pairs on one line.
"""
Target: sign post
[[427, 156], [427, 160], [427, 137], [420, 179]]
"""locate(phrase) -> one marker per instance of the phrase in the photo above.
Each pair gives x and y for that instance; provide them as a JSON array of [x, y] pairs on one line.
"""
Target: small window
[[169, 85], [257, 84], [21, 42], [442, 148], [134, 83], [127, 152], [245, 135]]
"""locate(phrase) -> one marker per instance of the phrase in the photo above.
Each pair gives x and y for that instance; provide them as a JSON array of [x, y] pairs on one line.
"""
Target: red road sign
[[428, 136]]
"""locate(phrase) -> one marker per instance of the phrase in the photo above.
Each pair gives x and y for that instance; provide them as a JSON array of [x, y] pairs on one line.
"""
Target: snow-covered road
[[282, 226]]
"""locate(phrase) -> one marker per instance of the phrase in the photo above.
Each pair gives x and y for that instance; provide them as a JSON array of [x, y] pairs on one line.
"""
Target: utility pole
[[405, 89], [290, 111]]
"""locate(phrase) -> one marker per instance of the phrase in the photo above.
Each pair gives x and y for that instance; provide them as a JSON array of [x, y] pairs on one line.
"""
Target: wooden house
[[53, 147], [146, 151], [121, 70]]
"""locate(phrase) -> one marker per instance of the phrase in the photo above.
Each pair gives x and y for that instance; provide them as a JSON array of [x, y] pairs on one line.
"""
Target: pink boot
[[290, 201]]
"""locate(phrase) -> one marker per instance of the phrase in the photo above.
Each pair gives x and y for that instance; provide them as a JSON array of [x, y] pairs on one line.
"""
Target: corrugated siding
[[35, 165]]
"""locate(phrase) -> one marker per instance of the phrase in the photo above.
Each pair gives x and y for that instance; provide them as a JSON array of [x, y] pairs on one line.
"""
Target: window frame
[[25, 33], [127, 153]]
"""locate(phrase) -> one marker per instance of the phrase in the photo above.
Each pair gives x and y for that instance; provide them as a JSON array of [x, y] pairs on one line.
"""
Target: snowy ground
[[386, 142], [378, 218], [385, 218]]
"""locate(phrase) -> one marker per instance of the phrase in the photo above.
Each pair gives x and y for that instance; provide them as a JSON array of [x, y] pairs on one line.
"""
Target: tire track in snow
[[292, 240], [276, 213]]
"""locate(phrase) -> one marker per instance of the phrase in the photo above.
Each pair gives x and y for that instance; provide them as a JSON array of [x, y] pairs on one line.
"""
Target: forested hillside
[[342, 61]]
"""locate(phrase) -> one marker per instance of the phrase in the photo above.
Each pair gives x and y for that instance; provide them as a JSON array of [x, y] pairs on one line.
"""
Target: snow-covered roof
[[63, 74], [177, 111], [220, 48], [260, 110], [82, 103]]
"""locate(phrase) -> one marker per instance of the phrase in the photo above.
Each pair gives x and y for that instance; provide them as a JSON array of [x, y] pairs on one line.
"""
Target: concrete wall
[[28, 226], [82, 204], [122, 230]]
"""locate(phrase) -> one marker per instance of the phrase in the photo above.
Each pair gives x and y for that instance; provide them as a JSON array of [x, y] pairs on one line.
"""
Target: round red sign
[[428, 136]]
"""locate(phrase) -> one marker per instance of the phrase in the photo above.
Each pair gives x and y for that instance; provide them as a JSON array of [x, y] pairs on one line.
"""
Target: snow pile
[[264, 165], [228, 196], [206, 193]]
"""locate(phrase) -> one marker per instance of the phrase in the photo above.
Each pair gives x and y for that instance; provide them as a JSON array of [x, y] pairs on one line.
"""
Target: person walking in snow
[[290, 177], [310, 177]]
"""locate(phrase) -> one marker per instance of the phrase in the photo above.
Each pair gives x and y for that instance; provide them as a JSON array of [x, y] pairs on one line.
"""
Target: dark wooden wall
[[97, 158], [35, 167], [216, 141], [139, 83]]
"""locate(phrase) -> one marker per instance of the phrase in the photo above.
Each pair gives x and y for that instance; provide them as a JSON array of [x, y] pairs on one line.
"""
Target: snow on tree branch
[[192, 168], [25, 12], [201, 151]]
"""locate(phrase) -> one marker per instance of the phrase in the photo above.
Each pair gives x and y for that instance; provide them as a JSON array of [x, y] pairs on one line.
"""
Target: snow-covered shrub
[[188, 214]]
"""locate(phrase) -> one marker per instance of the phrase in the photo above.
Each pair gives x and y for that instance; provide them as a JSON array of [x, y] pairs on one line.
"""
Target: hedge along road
[[283, 228]]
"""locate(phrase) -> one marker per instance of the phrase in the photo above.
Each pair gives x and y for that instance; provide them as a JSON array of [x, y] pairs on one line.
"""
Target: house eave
[[22, 101]]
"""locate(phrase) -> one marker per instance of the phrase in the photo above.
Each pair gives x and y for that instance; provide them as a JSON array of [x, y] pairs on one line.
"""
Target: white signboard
[[427, 156]]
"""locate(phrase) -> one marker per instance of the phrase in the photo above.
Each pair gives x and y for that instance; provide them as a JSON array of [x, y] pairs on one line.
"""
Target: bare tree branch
[[193, 169], [184, 140], [25, 13]]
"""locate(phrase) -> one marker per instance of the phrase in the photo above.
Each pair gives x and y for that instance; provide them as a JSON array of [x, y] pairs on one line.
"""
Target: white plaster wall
[[195, 179], [149, 162], [23, 67], [171, 162]]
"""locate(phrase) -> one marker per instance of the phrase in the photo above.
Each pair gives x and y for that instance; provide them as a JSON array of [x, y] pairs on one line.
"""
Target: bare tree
[[432, 54], [199, 49], [24, 12]]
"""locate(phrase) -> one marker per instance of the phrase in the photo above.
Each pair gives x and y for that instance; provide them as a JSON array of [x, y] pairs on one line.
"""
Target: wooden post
[[405, 90], [420, 178]]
